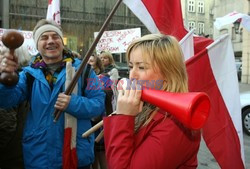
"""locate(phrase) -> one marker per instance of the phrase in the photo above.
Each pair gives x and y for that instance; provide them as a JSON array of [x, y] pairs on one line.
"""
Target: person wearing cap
[[43, 139]]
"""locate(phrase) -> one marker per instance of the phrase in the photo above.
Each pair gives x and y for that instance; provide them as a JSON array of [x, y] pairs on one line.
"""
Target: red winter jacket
[[162, 144]]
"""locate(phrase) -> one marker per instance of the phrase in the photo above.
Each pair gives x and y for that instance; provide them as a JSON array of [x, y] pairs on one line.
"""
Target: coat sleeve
[[164, 146], [12, 95], [91, 104]]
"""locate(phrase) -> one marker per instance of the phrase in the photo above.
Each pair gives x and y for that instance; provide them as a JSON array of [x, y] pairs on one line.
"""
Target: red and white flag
[[213, 71], [70, 128], [187, 45], [231, 18], [204, 68], [53, 12], [158, 16]]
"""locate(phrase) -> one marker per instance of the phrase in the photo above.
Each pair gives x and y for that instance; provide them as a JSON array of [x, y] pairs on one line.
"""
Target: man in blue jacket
[[43, 139]]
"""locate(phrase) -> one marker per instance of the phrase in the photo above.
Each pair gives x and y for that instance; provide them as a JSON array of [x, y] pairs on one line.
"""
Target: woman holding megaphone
[[141, 135]]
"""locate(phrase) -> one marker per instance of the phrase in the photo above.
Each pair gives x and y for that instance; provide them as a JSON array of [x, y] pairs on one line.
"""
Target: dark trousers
[[85, 167], [11, 156]]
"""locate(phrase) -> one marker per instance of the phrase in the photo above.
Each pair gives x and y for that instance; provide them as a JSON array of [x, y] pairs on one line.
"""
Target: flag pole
[[72, 84]]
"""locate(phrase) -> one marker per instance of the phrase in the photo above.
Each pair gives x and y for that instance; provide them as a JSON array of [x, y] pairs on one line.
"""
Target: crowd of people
[[139, 135]]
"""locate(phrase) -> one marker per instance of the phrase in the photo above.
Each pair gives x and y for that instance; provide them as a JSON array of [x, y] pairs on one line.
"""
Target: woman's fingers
[[133, 91], [138, 92], [129, 100]]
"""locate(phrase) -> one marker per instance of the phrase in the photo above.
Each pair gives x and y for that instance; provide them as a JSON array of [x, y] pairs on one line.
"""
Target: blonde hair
[[164, 51], [98, 64], [110, 57]]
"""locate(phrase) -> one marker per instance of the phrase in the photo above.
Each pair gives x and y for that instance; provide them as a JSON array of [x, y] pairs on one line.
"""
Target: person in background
[[96, 64], [109, 66], [141, 135], [109, 79], [43, 138], [100, 160], [12, 121]]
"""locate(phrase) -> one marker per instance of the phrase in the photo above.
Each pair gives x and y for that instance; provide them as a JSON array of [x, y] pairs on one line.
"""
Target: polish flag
[[158, 16], [53, 12], [70, 128], [210, 70], [213, 71], [187, 45]]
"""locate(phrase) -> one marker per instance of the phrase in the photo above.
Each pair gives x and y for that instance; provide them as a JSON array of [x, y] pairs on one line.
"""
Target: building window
[[201, 8], [201, 28], [191, 6], [191, 25], [241, 38]]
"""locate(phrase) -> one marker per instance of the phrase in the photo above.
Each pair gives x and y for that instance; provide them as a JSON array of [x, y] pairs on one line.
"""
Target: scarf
[[109, 68], [39, 63], [143, 116], [70, 128]]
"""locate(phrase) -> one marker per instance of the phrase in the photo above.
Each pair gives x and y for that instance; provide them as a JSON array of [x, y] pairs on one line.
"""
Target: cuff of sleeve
[[119, 120], [72, 102]]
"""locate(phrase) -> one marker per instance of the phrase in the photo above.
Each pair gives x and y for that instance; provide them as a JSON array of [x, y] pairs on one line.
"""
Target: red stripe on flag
[[73, 158], [69, 156], [218, 132], [167, 16], [200, 43]]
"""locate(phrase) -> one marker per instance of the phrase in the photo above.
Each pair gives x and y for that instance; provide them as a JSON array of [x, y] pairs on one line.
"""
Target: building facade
[[246, 48], [240, 36], [198, 15], [223, 7], [201, 14], [79, 18]]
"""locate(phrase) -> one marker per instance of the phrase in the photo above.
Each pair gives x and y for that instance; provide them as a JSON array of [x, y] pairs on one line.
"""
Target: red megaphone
[[191, 109]]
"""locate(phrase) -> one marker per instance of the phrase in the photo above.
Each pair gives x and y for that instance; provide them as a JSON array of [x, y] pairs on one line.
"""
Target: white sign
[[28, 41], [117, 41]]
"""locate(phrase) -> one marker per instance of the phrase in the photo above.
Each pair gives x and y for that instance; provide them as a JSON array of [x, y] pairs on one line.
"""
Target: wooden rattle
[[12, 39]]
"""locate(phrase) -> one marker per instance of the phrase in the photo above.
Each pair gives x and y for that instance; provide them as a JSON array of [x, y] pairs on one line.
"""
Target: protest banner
[[117, 41], [29, 43]]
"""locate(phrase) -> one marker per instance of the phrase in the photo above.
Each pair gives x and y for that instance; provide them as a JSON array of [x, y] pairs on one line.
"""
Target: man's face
[[50, 46]]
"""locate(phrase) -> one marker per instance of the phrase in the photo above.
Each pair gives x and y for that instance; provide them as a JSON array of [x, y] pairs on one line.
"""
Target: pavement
[[244, 87], [206, 159]]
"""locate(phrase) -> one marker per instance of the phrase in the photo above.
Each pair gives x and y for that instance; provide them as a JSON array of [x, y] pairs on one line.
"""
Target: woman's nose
[[133, 74]]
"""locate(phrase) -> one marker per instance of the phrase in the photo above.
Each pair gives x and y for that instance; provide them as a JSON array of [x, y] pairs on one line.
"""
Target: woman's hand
[[62, 101], [129, 100]]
